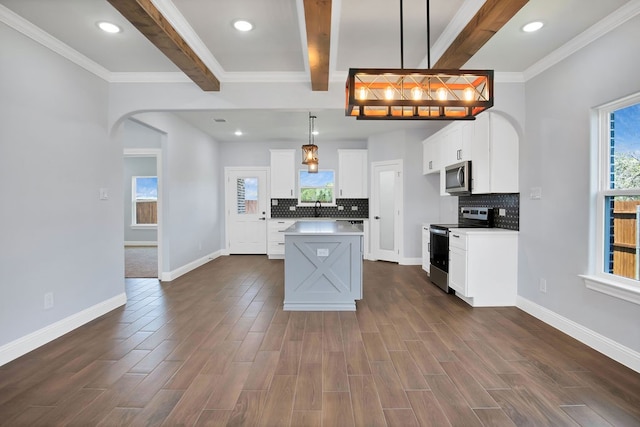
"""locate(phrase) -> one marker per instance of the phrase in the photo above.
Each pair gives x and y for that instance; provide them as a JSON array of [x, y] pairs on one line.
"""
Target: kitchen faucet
[[316, 211]]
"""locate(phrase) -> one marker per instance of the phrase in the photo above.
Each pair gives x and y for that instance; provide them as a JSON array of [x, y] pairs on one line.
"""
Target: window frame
[[599, 279], [333, 201], [134, 202]]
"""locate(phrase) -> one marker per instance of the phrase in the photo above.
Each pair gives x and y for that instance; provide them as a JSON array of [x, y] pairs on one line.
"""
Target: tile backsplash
[[280, 208], [509, 202]]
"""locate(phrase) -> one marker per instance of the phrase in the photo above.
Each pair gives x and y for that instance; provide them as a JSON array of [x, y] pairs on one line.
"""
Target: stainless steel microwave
[[458, 179]]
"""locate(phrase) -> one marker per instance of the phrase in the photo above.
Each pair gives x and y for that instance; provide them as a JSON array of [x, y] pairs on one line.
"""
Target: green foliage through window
[[316, 187]]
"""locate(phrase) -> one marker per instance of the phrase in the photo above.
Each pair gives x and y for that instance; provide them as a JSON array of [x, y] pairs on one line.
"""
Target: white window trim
[[332, 204], [598, 280]]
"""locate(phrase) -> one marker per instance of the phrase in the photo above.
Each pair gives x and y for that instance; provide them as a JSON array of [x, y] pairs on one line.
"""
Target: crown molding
[[25, 27], [599, 29], [149, 77]]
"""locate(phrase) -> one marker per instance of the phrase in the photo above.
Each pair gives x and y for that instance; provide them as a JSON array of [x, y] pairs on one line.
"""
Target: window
[[247, 196], [145, 200], [314, 187], [618, 200]]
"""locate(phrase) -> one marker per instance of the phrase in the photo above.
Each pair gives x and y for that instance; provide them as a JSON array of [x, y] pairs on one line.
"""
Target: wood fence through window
[[625, 238]]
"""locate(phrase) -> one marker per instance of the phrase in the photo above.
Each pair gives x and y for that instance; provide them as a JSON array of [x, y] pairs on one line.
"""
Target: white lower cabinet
[[275, 236], [426, 248], [483, 266]]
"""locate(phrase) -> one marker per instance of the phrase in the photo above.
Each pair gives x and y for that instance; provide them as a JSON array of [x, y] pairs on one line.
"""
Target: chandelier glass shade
[[310, 150], [422, 94]]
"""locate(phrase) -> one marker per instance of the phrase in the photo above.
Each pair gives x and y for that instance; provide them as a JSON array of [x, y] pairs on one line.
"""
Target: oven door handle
[[438, 232]]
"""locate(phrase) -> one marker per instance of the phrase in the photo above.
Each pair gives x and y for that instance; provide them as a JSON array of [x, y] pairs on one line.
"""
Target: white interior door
[[386, 208], [246, 206]]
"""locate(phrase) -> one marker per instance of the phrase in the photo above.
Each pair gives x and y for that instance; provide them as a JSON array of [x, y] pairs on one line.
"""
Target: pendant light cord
[[401, 38], [428, 38]]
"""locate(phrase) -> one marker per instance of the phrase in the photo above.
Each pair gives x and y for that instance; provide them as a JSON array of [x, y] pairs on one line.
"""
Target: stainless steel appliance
[[472, 217], [458, 178]]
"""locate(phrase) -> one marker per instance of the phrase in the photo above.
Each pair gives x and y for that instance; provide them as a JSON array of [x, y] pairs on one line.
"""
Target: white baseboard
[[628, 357], [172, 275], [27, 343], [410, 261], [140, 243]]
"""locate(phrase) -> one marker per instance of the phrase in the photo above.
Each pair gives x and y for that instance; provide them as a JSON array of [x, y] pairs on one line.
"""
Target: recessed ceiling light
[[108, 27], [238, 133], [532, 26], [242, 25]]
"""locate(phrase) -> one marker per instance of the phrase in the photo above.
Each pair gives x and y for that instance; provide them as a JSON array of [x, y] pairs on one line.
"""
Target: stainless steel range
[[479, 217]]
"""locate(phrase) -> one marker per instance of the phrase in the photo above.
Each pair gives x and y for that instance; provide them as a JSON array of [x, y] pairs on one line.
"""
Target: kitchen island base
[[323, 271]]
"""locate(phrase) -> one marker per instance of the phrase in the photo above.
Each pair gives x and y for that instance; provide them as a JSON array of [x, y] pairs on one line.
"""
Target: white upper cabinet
[[352, 174], [490, 142], [431, 155], [495, 155], [283, 175]]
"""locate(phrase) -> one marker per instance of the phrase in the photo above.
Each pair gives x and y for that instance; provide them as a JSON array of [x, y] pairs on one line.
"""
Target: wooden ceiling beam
[[150, 22], [486, 22], [317, 16]]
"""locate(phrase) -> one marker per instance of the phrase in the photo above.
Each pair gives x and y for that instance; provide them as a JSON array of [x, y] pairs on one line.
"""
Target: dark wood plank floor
[[215, 348]]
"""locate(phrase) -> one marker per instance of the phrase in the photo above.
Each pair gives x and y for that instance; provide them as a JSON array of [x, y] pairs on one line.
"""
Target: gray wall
[[192, 191], [55, 155], [420, 192], [557, 154], [136, 166]]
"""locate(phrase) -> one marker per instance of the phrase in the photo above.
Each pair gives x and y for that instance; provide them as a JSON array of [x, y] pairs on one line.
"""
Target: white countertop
[[483, 231], [334, 227]]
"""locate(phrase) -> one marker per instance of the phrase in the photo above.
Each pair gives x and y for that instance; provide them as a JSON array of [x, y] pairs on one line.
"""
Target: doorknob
[[376, 217]]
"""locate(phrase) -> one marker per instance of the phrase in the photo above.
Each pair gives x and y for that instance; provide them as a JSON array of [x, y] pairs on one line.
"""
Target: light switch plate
[[104, 194], [535, 193]]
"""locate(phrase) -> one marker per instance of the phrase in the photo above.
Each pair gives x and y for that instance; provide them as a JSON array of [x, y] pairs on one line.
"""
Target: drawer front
[[458, 240]]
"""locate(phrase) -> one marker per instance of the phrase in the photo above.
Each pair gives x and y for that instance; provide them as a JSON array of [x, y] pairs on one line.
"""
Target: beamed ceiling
[[305, 42]]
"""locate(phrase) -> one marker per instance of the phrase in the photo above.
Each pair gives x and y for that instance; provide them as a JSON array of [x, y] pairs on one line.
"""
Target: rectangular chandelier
[[418, 94]]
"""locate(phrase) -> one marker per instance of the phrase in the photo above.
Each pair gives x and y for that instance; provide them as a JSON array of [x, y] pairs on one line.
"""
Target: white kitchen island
[[323, 266]]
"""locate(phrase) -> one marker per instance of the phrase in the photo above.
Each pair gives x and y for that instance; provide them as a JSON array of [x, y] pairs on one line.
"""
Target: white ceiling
[[365, 33]]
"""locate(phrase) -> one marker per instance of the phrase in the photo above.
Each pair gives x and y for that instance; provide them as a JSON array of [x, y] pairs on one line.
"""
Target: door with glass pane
[[386, 207], [246, 208]]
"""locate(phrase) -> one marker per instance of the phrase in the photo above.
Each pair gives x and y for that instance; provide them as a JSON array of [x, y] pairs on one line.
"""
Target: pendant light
[[417, 94], [310, 150]]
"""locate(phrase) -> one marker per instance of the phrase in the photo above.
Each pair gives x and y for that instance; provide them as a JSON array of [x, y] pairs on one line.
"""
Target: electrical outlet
[[292, 208], [274, 202], [502, 212], [543, 285], [340, 208], [103, 194], [322, 252], [354, 208], [48, 300]]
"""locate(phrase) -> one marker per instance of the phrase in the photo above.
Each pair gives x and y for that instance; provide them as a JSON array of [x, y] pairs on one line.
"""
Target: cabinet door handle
[[376, 217], [262, 219], [429, 246], [430, 164], [341, 191], [456, 236], [291, 191]]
